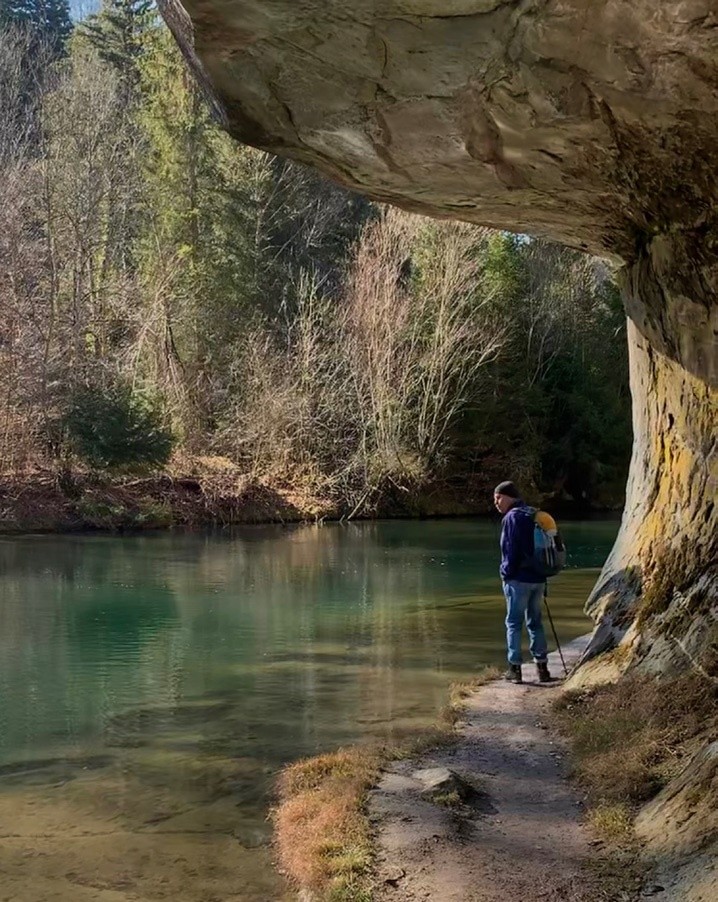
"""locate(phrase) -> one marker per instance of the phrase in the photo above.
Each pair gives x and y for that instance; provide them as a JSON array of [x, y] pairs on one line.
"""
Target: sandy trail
[[519, 837]]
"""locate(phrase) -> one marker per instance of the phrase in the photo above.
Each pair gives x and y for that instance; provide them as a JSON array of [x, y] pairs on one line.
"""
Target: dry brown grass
[[323, 837], [629, 738], [612, 822]]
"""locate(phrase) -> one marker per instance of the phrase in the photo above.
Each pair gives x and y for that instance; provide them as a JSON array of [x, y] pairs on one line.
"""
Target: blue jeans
[[523, 602]]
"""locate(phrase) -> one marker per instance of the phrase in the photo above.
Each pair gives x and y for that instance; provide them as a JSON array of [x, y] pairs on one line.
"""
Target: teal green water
[[169, 676]]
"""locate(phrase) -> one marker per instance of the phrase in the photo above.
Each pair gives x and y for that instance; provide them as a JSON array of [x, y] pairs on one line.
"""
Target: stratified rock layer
[[595, 124]]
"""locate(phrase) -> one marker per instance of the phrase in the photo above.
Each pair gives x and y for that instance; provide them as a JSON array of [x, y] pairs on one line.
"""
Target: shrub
[[118, 428]]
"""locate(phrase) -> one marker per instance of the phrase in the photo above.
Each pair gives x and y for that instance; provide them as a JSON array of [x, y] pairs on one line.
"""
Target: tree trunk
[[658, 592]]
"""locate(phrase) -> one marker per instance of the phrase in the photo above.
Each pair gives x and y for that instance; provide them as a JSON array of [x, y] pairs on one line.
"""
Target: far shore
[[48, 502]]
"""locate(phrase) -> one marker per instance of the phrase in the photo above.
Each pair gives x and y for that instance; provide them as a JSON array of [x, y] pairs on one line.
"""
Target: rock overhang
[[593, 124]]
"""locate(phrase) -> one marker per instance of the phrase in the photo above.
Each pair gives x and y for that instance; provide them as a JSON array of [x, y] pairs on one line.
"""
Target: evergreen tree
[[118, 34], [204, 195], [47, 20]]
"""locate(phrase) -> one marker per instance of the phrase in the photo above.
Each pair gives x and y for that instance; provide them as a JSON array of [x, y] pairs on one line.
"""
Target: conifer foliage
[[119, 35], [48, 21]]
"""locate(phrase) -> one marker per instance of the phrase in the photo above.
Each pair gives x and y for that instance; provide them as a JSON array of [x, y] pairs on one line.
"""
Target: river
[[152, 686]]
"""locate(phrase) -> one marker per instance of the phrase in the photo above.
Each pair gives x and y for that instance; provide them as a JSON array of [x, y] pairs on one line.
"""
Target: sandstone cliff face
[[595, 124], [659, 589]]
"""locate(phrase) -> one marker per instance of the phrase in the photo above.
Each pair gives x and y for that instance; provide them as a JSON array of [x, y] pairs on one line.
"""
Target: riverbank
[[215, 493], [48, 502], [490, 813], [485, 814], [513, 826]]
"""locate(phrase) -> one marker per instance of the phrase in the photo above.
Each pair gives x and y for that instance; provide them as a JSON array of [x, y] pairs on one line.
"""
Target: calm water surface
[[150, 687]]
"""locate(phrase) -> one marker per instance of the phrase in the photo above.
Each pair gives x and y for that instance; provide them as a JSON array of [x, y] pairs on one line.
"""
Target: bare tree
[[364, 390], [420, 330], [88, 176], [23, 270]]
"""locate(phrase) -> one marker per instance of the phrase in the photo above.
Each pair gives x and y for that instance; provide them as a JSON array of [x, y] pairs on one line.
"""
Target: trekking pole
[[555, 635]]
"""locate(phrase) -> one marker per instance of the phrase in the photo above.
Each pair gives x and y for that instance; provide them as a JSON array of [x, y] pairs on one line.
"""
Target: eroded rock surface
[[595, 124], [588, 122], [681, 824]]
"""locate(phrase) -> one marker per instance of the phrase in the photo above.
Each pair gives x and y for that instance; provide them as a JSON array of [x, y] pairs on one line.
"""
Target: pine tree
[[47, 20], [118, 34], [202, 193]]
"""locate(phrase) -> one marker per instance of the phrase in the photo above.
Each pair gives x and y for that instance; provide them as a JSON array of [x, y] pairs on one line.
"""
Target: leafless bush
[[366, 389], [422, 329], [292, 416]]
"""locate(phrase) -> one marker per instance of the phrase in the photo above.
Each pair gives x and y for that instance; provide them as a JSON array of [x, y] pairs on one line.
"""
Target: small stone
[[394, 876], [441, 781]]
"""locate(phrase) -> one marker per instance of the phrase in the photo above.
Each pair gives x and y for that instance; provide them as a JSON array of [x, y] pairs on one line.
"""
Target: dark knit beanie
[[507, 488]]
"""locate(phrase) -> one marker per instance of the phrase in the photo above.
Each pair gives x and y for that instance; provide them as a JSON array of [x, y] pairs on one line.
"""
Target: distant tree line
[[46, 23], [163, 287]]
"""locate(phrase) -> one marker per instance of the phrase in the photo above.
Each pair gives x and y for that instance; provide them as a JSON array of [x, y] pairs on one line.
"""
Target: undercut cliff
[[595, 124]]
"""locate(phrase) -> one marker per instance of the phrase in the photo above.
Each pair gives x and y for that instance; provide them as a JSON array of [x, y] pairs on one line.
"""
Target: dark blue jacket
[[517, 545]]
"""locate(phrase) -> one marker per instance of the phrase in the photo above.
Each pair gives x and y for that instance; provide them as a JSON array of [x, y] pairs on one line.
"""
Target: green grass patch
[[448, 799]]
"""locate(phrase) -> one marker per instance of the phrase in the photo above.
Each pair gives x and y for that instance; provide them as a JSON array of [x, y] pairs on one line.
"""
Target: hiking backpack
[[549, 556]]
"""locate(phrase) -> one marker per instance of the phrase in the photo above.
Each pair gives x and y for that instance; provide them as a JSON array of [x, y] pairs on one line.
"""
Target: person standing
[[523, 586]]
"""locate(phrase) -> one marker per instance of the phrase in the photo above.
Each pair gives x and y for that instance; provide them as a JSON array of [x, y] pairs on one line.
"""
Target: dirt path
[[518, 834]]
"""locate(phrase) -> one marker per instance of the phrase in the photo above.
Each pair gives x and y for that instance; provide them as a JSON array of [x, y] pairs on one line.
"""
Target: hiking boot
[[542, 670], [513, 674]]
